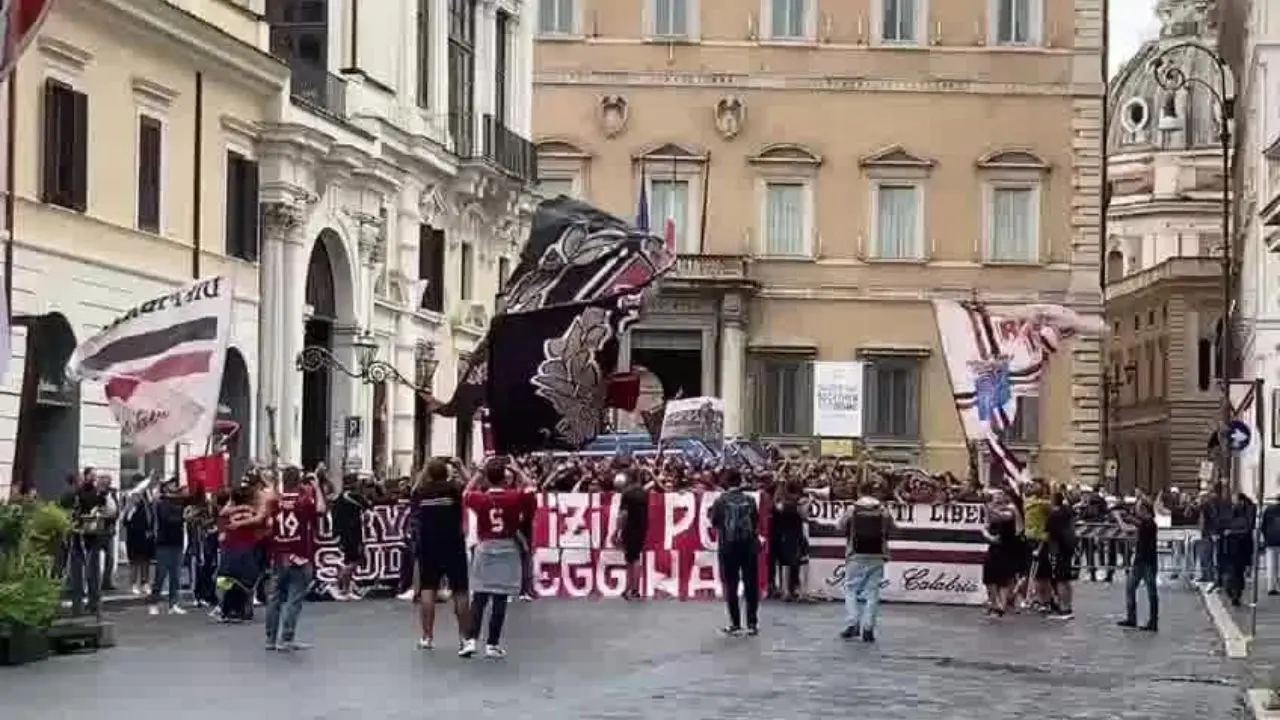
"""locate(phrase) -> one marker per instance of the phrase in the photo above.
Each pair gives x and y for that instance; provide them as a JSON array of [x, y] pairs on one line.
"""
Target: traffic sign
[[1239, 435]]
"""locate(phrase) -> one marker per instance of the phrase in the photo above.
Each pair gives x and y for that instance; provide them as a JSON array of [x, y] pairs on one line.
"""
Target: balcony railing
[[711, 267], [1181, 268], [509, 150], [319, 88]]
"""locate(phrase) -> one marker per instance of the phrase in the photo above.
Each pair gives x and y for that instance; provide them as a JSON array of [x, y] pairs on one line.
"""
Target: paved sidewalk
[[611, 660]]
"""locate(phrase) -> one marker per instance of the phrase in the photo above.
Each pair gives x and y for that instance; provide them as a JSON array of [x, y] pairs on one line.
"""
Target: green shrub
[[30, 535]]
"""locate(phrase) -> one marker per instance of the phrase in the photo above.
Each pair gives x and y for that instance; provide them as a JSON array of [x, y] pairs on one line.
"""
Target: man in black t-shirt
[[633, 528], [1143, 571], [440, 546], [1061, 529]]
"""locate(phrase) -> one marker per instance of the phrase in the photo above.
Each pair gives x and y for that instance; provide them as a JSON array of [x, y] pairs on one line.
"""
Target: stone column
[[293, 313], [282, 227], [733, 362]]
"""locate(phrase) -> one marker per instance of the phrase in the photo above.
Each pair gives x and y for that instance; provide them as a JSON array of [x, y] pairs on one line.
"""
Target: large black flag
[[549, 373], [575, 254]]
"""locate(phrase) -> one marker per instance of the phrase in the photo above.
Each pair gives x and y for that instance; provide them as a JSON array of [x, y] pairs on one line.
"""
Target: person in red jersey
[[240, 524], [292, 548], [501, 504]]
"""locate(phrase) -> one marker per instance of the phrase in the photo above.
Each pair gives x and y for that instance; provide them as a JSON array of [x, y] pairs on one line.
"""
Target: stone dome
[[1146, 117]]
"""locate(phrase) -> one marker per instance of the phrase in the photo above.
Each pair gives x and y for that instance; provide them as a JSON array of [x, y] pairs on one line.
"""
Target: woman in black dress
[[1004, 552]]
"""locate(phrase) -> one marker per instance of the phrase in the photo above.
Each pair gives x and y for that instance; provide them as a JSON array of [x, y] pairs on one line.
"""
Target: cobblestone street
[[598, 660]]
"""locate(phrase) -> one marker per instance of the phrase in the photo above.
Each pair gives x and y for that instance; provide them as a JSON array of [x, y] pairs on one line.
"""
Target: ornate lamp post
[[1172, 77], [1113, 382], [369, 369]]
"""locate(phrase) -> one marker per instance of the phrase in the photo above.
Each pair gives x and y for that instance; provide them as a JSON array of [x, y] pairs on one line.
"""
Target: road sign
[[1238, 435]]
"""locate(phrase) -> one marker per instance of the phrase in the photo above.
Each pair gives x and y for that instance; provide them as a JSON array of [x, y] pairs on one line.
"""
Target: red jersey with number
[[293, 524], [500, 513], [238, 538]]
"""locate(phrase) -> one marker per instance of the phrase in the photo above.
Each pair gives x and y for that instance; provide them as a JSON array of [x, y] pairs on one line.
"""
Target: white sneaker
[[494, 651], [444, 595], [135, 590], [257, 602], [407, 595], [467, 649], [176, 610], [425, 643], [153, 610], [526, 597]]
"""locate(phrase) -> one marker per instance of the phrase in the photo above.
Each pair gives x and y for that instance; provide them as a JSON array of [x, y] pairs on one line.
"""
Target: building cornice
[[211, 49], [830, 83]]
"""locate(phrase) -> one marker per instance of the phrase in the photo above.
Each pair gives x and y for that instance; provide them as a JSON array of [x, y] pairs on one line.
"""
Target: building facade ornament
[[372, 238], [614, 112], [282, 219], [730, 115]]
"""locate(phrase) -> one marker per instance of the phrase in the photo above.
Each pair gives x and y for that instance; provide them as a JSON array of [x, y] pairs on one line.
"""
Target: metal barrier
[[1104, 549]]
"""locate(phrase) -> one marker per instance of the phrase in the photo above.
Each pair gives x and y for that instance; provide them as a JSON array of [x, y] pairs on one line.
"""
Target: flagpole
[[10, 173]]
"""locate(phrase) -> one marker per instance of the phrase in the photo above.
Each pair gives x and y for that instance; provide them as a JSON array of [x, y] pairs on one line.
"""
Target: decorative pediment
[[786, 154], [672, 151], [560, 148], [1012, 159], [895, 156]]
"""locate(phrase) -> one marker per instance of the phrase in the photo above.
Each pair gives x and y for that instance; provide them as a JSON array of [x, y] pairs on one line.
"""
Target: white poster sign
[[837, 399]]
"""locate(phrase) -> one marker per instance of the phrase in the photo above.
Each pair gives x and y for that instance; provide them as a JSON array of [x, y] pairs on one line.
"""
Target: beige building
[[830, 168], [129, 112], [1164, 270]]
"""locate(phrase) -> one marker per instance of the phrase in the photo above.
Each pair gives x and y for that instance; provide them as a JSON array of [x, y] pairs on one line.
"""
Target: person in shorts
[[347, 509], [633, 528], [1061, 550], [440, 548]]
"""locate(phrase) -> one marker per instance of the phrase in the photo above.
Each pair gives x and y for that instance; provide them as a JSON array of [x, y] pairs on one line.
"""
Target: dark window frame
[[150, 171], [242, 230], [65, 146], [784, 402], [501, 66], [431, 267], [900, 420], [423, 21], [462, 71]]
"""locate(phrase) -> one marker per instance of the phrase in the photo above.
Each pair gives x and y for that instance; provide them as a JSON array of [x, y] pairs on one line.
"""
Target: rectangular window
[[899, 21], [150, 142], [462, 70], [898, 226], [785, 220], [785, 389], [242, 207], [671, 18], [892, 399], [431, 242], [466, 267], [1015, 22], [65, 174], [502, 54], [669, 203], [1013, 233], [1026, 422], [424, 53], [556, 17], [788, 19]]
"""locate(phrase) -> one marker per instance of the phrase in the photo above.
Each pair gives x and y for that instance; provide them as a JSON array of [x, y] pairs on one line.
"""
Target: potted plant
[[30, 589]]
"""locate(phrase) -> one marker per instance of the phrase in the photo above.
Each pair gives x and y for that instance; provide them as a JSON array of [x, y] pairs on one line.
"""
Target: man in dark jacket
[[735, 517], [1271, 541], [170, 533]]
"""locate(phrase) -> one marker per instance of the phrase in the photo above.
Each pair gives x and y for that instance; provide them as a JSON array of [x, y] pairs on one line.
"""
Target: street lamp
[[1113, 382], [1173, 78], [369, 369]]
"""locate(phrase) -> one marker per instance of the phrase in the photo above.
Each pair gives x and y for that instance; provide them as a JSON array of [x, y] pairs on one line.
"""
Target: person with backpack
[[735, 518], [866, 528]]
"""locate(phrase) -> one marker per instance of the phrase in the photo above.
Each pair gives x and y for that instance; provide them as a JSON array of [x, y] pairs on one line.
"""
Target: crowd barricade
[[936, 556], [1105, 549]]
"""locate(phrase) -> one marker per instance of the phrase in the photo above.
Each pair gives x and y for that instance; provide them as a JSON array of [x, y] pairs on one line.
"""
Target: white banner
[[161, 364], [701, 418], [837, 399], [940, 583]]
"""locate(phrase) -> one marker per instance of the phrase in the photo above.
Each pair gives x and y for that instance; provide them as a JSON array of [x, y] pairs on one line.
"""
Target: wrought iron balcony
[[509, 151], [318, 88]]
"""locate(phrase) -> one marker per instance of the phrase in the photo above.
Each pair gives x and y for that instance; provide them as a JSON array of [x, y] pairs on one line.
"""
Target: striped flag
[[19, 21], [161, 365]]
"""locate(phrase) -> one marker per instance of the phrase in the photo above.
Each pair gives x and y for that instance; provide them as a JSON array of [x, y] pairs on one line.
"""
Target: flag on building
[[161, 365], [19, 22]]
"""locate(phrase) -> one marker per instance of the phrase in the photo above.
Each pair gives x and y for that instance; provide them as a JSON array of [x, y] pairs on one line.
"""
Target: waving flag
[[161, 364], [19, 22]]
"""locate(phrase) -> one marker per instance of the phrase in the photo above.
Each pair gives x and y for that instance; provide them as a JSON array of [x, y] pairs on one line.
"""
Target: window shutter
[[79, 150], [232, 225], [870, 399], [249, 209], [149, 140], [52, 141], [913, 400]]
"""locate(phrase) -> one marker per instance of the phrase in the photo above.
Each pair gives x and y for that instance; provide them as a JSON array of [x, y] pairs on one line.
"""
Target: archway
[[47, 446], [234, 405], [316, 386]]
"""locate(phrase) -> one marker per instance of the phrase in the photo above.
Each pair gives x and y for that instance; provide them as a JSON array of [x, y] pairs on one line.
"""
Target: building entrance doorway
[[318, 331], [675, 357]]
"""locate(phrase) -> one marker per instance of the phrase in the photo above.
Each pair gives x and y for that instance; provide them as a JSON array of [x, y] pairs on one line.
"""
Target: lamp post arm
[[379, 371], [315, 357]]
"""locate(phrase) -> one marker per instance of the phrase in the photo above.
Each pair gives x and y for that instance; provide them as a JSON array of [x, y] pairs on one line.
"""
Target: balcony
[[319, 89], [716, 270], [1175, 268], [509, 151]]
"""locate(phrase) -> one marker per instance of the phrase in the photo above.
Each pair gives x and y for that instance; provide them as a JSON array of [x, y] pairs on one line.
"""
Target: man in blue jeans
[[1143, 570], [866, 527], [291, 554]]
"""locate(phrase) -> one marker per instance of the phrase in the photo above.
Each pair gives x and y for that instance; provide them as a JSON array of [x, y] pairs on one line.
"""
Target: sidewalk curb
[[1234, 642]]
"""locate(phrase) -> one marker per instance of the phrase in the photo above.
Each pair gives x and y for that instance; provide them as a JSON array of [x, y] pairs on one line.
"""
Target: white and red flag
[[161, 364], [19, 22]]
